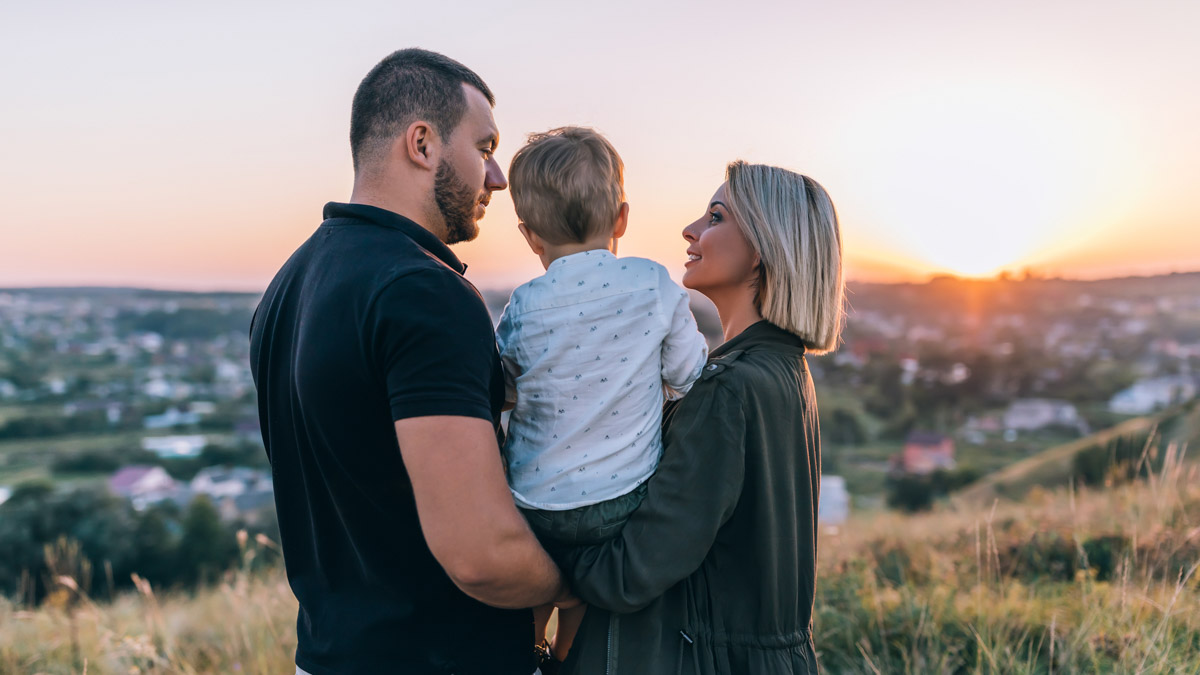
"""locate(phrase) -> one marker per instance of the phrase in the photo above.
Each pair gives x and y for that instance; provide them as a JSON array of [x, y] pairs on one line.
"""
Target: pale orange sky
[[144, 144]]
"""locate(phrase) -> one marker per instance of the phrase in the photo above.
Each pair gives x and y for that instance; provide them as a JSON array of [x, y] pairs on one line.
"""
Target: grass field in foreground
[[1067, 581]]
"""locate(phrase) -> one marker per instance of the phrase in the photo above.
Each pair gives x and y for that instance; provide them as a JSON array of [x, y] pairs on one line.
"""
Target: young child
[[590, 349]]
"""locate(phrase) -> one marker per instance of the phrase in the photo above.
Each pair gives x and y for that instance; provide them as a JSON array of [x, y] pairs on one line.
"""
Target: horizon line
[[928, 279]]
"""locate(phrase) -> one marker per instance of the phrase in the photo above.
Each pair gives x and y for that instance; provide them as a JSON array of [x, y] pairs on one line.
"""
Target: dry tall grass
[[246, 624], [1071, 581], [1065, 582]]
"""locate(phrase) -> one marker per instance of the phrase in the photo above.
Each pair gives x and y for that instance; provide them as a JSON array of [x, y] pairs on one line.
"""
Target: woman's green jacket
[[715, 571]]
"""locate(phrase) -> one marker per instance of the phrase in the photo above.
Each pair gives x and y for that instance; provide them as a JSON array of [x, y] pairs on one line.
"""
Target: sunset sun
[[973, 180]]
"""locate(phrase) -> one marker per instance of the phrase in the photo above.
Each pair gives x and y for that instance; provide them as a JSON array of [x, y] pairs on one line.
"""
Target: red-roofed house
[[925, 452]]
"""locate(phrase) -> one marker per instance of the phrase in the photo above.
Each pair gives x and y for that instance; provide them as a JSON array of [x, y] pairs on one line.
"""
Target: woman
[[715, 572]]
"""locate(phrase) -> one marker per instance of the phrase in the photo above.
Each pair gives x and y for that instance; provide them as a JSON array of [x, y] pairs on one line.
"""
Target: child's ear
[[622, 221], [535, 242]]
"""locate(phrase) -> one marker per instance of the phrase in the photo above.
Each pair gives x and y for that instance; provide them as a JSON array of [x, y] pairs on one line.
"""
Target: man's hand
[[467, 513]]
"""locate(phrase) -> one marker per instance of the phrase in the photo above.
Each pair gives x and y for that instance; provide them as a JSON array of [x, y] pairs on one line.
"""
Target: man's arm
[[467, 513]]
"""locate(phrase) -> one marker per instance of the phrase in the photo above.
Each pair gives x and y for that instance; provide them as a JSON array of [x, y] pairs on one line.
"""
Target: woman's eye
[[713, 218], [487, 154]]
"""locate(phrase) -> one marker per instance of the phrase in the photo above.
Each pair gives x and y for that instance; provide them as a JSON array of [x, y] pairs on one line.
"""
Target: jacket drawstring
[[686, 639]]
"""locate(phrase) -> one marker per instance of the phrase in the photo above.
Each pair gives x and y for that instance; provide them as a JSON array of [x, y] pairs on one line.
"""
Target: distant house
[[238, 492], [202, 407], [248, 506], [157, 388], [171, 418], [248, 430], [1031, 414], [924, 452], [143, 485], [169, 447], [984, 423], [835, 501], [1153, 394], [112, 409], [220, 481], [151, 342]]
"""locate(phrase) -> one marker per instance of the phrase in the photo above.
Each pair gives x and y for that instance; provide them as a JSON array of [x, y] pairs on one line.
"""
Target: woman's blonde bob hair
[[792, 225]]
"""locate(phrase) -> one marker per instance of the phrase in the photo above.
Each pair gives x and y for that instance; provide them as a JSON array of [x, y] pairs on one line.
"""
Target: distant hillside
[[1148, 286], [1056, 466], [120, 291], [1032, 297]]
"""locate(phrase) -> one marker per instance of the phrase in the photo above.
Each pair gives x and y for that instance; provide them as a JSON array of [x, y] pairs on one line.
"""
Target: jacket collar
[[762, 333], [384, 218]]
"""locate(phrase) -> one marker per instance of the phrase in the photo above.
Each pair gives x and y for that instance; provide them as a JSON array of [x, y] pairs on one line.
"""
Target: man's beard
[[456, 201]]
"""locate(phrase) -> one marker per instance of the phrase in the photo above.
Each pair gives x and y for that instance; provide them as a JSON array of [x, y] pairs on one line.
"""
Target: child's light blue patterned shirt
[[588, 348]]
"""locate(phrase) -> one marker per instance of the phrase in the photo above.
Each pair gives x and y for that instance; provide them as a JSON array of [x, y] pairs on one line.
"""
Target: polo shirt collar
[[384, 218]]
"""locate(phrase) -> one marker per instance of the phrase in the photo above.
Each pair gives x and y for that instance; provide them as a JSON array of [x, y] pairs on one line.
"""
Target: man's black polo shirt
[[371, 321]]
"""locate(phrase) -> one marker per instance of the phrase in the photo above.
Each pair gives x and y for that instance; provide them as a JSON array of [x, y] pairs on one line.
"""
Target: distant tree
[[846, 427], [885, 394], [88, 461], [206, 547], [34, 517], [156, 546], [243, 454], [909, 493], [902, 421], [35, 489], [204, 373], [182, 468], [186, 323]]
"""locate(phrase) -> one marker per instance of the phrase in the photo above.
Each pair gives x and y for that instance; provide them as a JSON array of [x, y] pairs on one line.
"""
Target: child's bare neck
[[553, 252]]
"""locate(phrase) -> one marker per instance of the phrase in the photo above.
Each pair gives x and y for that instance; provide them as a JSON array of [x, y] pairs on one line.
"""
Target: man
[[380, 389]]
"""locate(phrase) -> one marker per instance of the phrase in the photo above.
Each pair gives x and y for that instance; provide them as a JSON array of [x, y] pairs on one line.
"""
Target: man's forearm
[[517, 573], [467, 513]]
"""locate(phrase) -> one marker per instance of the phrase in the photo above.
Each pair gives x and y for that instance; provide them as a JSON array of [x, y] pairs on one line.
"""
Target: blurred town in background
[[128, 417]]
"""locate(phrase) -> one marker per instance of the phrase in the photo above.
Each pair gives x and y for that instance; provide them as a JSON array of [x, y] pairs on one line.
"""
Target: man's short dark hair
[[409, 85]]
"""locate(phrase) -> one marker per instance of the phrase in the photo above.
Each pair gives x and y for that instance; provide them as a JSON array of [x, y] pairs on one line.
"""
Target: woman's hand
[[566, 600]]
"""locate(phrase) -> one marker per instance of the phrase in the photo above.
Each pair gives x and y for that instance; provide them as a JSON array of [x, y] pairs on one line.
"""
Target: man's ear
[[535, 242], [622, 221], [420, 145]]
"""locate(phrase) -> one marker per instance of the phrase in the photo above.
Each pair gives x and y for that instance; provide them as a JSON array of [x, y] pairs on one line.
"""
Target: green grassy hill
[[1057, 466]]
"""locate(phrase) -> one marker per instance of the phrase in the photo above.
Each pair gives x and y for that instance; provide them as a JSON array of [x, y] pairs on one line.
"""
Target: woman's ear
[[756, 271]]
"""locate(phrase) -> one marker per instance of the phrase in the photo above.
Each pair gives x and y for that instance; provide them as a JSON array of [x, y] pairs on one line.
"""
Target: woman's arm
[[692, 494]]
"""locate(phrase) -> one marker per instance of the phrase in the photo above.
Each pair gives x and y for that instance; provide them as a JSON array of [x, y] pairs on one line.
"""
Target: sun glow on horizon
[[973, 179]]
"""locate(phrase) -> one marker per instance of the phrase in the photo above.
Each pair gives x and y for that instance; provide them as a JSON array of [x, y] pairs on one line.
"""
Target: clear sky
[[193, 145]]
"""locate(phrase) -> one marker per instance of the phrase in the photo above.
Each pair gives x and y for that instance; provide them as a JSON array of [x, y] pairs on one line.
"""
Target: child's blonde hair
[[792, 225], [567, 184]]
